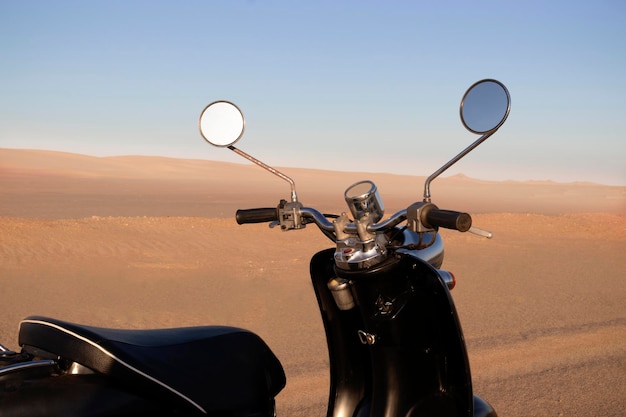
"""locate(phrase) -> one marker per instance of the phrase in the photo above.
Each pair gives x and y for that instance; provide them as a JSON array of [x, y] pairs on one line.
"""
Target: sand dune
[[145, 242], [32, 183]]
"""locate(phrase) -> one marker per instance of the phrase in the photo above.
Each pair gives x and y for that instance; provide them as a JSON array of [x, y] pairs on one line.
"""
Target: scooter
[[394, 338]]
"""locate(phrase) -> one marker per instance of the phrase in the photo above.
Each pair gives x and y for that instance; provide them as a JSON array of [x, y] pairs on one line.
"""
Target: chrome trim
[[367, 338], [448, 278], [433, 254], [16, 367], [363, 199], [292, 184], [324, 224], [78, 369], [351, 253], [452, 162], [340, 289]]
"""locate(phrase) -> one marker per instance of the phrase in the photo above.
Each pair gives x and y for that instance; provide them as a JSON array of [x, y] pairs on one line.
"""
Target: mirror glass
[[221, 123], [485, 106]]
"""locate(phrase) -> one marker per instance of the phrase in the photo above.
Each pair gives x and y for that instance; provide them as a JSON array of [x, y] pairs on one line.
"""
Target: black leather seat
[[211, 368]]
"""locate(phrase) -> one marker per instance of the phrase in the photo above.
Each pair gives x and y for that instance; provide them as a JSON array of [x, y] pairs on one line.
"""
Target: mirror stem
[[452, 162], [292, 184]]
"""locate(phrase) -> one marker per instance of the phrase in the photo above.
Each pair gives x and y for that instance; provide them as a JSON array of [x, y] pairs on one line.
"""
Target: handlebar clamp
[[414, 215], [289, 215]]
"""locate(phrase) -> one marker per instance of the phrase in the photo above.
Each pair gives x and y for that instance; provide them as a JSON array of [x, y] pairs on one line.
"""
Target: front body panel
[[404, 328]]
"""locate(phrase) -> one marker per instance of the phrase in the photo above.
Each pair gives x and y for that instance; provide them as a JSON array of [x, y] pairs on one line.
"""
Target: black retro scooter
[[394, 339]]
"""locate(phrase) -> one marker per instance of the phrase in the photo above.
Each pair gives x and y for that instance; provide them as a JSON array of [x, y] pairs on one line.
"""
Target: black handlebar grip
[[449, 219], [256, 215]]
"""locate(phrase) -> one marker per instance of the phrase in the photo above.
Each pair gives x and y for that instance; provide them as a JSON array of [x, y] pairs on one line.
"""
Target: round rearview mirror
[[221, 123], [485, 106]]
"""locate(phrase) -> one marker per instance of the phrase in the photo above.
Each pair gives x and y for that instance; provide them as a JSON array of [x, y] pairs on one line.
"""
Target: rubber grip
[[256, 215], [449, 219]]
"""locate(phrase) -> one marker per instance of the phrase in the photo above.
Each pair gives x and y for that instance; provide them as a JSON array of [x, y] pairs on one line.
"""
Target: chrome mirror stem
[[452, 162], [292, 184]]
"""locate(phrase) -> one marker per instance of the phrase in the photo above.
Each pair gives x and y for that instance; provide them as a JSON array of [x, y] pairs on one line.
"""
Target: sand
[[145, 242]]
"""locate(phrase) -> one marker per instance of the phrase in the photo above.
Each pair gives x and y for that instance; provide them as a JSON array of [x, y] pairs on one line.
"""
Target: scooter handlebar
[[433, 217], [449, 219], [256, 215]]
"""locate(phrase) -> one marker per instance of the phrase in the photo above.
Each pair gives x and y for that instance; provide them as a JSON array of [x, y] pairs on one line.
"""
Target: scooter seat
[[210, 368]]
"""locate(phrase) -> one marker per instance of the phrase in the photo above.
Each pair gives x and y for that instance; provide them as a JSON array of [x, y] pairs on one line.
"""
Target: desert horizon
[[151, 242], [210, 188], [31, 158]]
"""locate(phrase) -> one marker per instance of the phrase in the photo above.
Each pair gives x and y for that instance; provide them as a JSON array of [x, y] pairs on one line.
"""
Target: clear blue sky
[[343, 85]]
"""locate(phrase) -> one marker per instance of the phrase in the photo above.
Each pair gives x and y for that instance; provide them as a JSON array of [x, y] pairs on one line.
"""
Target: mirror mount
[[484, 108]]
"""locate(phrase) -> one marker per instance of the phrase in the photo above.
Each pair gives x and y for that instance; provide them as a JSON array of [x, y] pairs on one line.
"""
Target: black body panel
[[74, 396], [418, 363], [350, 371]]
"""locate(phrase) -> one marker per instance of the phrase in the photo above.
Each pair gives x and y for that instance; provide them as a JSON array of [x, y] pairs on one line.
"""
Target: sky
[[346, 85]]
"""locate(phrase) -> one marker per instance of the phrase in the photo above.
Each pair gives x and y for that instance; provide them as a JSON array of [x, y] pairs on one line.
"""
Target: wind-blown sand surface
[[144, 242]]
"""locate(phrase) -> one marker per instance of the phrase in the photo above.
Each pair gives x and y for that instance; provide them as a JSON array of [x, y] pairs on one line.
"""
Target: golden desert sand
[[147, 242]]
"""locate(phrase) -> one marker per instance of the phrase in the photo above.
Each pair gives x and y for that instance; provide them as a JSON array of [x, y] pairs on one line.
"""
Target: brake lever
[[480, 232]]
